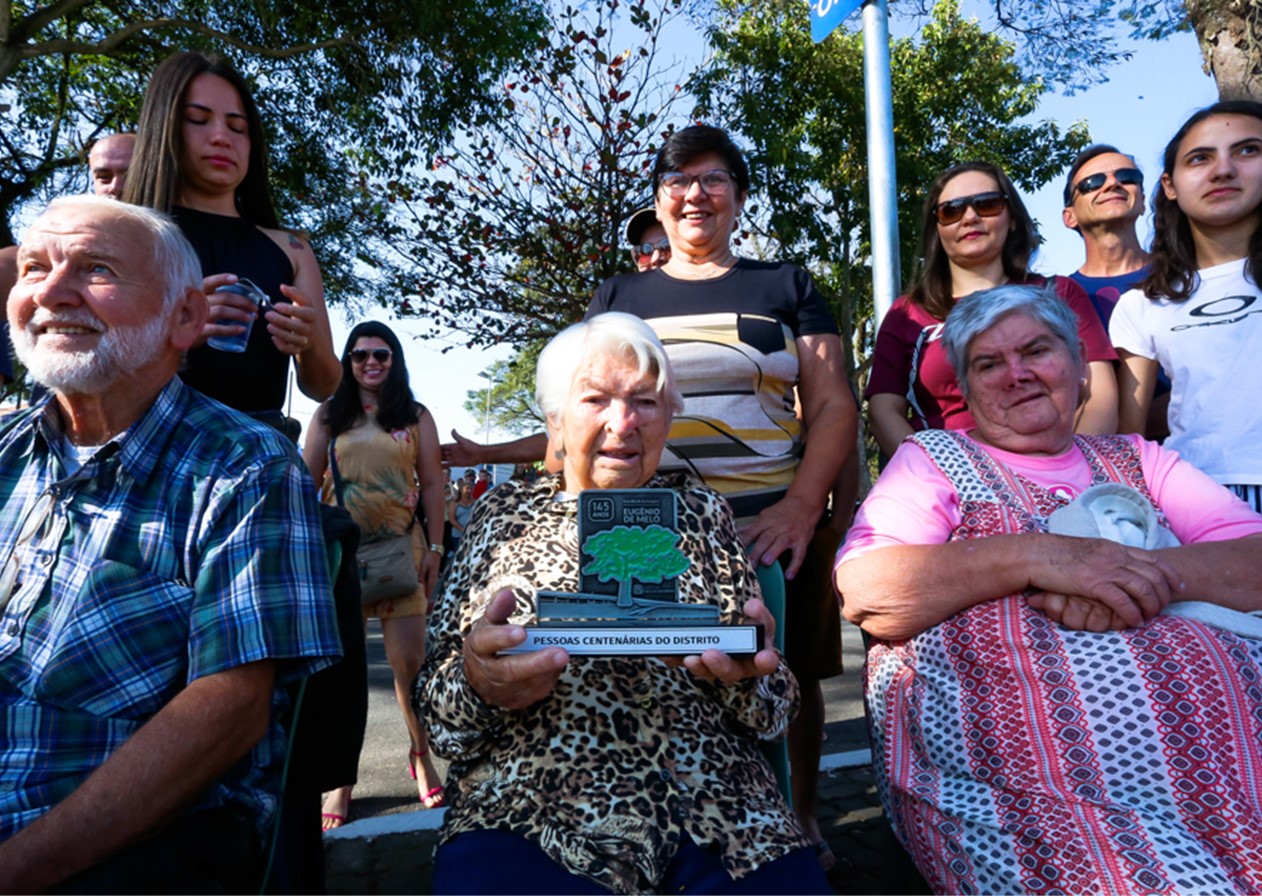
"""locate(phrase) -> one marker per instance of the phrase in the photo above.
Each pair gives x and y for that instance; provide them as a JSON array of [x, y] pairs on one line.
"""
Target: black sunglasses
[[380, 355], [1093, 182], [985, 204]]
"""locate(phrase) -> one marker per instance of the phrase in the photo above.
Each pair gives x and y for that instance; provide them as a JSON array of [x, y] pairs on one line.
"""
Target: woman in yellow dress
[[386, 449]]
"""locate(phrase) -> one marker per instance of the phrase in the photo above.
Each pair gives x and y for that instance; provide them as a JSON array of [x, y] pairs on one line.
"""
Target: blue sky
[[1138, 109]]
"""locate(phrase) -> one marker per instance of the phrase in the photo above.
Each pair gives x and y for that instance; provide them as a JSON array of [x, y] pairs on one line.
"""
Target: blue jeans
[[500, 862]]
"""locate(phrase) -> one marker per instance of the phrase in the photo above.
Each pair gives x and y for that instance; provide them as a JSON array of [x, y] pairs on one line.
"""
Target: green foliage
[[1073, 43], [520, 219], [958, 94], [511, 398], [352, 94], [623, 553]]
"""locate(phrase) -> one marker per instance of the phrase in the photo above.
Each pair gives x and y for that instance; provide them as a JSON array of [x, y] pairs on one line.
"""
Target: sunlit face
[[87, 309], [1023, 387], [1217, 177], [614, 426], [1112, 202], [973, 241], [700, 223], [371, 372], [215, 156], [108, 162]]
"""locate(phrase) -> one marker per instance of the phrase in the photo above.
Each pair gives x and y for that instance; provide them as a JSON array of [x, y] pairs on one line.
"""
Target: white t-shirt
[[1210, 345]]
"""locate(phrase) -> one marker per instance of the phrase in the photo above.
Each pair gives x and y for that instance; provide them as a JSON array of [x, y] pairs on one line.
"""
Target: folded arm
[[897, 592]]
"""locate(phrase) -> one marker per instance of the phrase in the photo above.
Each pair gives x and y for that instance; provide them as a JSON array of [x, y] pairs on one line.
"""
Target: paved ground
[[381, 854]]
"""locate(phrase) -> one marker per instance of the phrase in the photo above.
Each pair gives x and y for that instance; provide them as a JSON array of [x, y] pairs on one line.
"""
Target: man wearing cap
[[649, 246]]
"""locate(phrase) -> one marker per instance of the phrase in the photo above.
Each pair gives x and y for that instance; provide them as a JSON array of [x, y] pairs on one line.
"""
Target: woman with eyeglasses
[[374, 449], [201, 156], [742, 335], [1198, 315], [975, 234]]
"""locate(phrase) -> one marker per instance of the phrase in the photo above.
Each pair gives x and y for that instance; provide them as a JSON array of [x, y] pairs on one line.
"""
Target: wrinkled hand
[[461, 453], [291, 325], [229, 313], [715, 665], [1132, 583], [514, 681], [787, 525], [1076, 612], [428, 572]]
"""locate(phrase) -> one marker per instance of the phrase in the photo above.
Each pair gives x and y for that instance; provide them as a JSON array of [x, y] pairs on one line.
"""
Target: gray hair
[[174, 258], [613, 332], [976, 313]]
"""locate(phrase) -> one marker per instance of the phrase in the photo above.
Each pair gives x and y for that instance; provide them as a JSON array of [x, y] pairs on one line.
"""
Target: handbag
[[386, 568]]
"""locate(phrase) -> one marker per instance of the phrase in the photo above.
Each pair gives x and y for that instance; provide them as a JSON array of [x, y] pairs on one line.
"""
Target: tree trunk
[[1230, 35], [624, 593]]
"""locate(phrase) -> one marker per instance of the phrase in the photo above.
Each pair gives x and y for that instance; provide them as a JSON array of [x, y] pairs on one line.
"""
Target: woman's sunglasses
[[360, 355], [985, 204], [1093, 182]]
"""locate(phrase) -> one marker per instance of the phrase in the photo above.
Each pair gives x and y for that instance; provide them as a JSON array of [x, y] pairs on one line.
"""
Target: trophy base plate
[[641, 640]]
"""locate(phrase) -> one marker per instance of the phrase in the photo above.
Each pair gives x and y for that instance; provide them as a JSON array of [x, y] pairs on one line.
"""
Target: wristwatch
[[438, 549]]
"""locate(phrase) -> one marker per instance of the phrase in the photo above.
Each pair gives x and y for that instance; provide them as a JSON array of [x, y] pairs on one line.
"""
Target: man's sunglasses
[[1093, 182], [646, 250], [985, 204], [380, 355]]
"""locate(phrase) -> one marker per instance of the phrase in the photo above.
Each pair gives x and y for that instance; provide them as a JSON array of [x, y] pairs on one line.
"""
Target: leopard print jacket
[[627, 754]]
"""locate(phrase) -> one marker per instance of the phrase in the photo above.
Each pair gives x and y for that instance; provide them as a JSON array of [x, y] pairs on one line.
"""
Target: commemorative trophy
[[628, 592]]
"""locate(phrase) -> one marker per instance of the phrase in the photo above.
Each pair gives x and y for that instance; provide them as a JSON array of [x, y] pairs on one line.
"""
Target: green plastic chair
[[771, 581]]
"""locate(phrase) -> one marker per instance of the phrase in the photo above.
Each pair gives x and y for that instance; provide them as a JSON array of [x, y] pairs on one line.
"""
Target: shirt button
[[13, 629], [664, 775], [46, 560]]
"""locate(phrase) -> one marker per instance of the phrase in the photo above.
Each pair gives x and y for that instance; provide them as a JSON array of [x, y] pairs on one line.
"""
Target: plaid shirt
[[188, 545]]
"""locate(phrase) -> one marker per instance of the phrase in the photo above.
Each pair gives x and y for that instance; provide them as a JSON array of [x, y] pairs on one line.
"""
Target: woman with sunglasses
[[201, 156], [377, 446], [975, 234], [1198, 315]]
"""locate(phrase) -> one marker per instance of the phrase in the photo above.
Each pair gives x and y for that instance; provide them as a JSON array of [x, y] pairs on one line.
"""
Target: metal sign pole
[[882, 177]]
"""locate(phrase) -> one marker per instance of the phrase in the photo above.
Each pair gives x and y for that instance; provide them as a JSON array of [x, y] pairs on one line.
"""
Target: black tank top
[[256, 379]]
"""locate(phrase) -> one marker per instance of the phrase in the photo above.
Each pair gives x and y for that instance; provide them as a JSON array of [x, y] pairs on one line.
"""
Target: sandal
[[434, 798], [331, 821]]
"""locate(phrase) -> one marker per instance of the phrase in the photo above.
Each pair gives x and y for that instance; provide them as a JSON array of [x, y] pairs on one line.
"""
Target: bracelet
[[438, 549]]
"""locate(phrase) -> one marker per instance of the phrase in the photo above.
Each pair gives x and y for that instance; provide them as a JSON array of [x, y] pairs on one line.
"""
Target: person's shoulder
[[222, 435]]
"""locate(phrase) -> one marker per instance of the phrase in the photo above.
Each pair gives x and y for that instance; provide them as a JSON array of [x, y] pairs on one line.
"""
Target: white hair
[[174, 259], [614, 333]]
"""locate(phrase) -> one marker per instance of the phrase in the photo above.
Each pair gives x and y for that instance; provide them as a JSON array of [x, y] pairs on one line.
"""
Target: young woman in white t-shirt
[[1198, 315]]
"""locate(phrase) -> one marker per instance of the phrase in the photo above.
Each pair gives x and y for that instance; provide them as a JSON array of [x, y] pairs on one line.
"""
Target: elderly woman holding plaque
[[1065, 681], [592, 774]]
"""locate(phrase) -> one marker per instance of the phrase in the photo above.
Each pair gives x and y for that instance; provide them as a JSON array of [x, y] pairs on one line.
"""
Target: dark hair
[[682, 146], [1172, 259], [932, 286], [1095, 149], [396, 408], [154, 176]]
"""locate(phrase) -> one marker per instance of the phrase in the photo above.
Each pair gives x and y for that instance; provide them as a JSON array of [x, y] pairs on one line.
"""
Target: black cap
[[638, 223]]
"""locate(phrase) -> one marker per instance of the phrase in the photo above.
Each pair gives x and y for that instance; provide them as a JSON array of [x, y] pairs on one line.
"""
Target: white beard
[[119, 351]]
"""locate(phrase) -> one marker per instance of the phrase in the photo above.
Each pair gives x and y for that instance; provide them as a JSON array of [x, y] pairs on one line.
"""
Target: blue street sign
[[826, 15]]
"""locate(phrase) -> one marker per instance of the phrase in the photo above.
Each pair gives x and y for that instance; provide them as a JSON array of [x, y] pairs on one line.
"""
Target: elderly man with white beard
[[163, 575]]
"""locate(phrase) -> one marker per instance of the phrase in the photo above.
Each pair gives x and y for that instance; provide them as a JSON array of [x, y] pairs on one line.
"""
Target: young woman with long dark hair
[[386, 447], [1198, 315]]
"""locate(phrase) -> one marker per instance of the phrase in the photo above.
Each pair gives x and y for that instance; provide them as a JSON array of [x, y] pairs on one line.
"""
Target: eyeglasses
[[987, 205], [676, 184], [1093, 182], [646, 250], [380, 355]]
